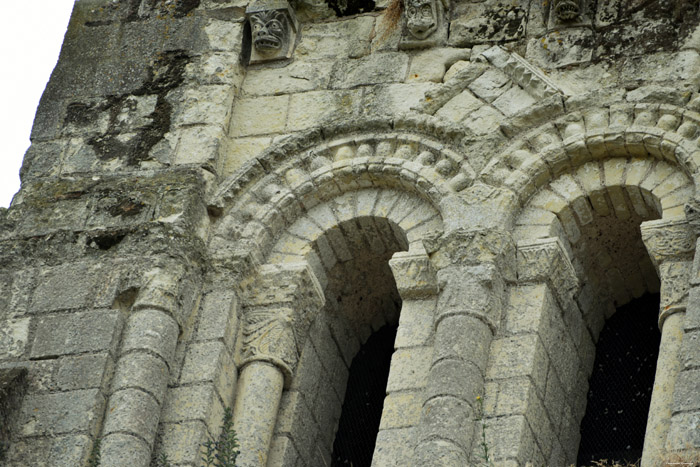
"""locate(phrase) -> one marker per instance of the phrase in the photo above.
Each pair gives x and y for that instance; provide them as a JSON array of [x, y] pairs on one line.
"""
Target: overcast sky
[[31, 33]]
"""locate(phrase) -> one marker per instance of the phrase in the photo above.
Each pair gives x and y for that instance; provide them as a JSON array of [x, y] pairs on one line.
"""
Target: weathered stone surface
[[76, 333], [65, 412], [159, 152]]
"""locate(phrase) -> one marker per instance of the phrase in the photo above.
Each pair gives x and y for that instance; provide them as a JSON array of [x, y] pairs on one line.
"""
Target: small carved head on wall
[[421, 18], [273, 30], [270, 31], [567, 10]]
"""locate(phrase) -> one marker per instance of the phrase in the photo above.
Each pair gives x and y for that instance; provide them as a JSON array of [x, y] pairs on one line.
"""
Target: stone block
[[144, 371], [401, 410], [440, 452], [271, 116], [379, 68], [513, 439], [415, 323], [59, 413], [525, 308], [690, 350], [73, 333], [513, 101], [282, 452], [132, 411], [295, 420], [431, 65], [66, 287], [193, 403], [685, 394], [448, 418], [457, 108], [203, 105], [519, 356], [298, 76], [210, 361], [465, 338], [393, 99], [310, 109], [336, 39], [514, 396], [455, 378], [199, 145], [409, 368], [84, 372], [182, 442], [14, 335], [308, 375], [124, 449], [484, 121], [684, 432], [151, 331], [394, 448], [53, 450]]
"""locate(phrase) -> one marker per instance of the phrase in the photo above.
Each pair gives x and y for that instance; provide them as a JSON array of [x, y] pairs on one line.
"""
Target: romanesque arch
[[590, 176]]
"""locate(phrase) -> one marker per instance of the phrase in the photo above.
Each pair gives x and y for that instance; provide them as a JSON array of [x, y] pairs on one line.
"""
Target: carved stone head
[[270, 31], [273, 29], [566, 10], [424, 23], [421, 18]]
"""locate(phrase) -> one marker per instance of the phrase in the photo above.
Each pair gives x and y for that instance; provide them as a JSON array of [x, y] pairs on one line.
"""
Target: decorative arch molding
[[416, 156], [635, 131]]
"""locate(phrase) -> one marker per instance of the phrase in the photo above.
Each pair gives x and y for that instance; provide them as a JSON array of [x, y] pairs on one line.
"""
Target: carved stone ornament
[[568, 13], [423, 23], [546, 260], [273, 28], [281, 303], [566, 10], [668, 240], [414, 275]]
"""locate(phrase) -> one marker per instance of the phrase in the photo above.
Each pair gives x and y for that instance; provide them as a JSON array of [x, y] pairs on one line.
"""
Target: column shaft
[[255, 412]]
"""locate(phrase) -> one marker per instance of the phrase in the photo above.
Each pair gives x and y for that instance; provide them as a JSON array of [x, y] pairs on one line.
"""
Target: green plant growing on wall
[[94, 459], [483, 444], [223, 451]]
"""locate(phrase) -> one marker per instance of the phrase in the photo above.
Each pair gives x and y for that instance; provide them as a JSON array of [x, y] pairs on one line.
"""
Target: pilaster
[[671, 246], [281, 302]]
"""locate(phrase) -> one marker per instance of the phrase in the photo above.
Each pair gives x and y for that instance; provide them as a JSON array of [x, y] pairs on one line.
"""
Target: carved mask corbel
[[273, 29]]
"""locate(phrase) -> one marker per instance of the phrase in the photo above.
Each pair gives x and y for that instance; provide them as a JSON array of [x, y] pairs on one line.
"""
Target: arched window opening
[[364, 400], [621, 384]]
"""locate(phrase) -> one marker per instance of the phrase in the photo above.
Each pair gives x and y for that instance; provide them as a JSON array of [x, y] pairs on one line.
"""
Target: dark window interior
[[364, 400], [621, 384]]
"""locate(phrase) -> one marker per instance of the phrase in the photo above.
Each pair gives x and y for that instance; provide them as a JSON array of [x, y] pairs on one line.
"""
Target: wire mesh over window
[[364, 401], [621, 384]]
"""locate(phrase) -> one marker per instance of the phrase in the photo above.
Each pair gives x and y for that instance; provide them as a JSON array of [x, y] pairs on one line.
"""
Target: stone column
[[141, 376], [472, 266], [416, 282], [281, 303], [671, 245]]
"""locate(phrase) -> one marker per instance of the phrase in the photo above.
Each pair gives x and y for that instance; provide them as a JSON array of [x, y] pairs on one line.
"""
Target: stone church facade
[[223, 201]]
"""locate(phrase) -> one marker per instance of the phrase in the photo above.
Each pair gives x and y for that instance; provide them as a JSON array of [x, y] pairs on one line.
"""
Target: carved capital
[[476, 247], [281, 302], [413, 273], [668, 240], [471, 290], [546, 259], [274, 28]]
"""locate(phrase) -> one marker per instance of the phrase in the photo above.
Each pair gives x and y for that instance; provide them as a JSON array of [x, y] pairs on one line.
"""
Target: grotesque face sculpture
[[421, 18], [566, 10], [270, 31]]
